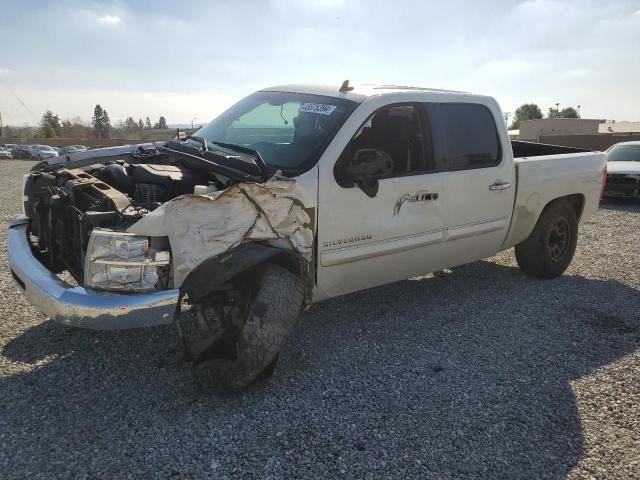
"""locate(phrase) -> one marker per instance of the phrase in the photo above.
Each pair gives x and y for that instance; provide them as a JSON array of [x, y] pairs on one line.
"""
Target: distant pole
[[557, 109], [506, 117], [195, 118], [579, 109], [1, 126]]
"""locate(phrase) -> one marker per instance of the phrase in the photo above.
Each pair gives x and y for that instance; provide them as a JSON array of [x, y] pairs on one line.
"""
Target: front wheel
[[245, 344], [550, 248]]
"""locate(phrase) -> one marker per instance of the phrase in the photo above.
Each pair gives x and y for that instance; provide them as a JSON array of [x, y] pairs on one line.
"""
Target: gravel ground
[[478, 372]]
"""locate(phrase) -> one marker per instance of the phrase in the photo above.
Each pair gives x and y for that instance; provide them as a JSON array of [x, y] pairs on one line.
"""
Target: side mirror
[[367, 166]]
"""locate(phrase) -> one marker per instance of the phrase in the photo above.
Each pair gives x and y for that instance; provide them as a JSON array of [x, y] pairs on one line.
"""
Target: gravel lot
[[479, 372]]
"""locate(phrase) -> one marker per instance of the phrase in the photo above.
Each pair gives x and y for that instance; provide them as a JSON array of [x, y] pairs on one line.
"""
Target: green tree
[[101, 123], [147, 123], [526, 111], [162, 123], [140, 124], [45, 130], [97, 121], [568, 112], [54, 121], [106, 124], [130, 124]]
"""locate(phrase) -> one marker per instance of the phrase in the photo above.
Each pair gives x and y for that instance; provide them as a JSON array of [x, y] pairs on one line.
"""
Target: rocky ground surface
[[474, 372]]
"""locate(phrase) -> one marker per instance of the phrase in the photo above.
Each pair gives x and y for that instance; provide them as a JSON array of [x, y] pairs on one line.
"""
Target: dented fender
[[200, 228]]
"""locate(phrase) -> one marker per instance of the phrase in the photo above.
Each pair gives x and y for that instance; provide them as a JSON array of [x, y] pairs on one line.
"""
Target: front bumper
[[620, 185], [78, 306]]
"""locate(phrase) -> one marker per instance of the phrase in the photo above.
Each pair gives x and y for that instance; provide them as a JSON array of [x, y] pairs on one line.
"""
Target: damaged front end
[[148, 220]]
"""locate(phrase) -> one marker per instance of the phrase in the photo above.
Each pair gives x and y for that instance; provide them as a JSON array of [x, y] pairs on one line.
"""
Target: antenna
[[345, 87]]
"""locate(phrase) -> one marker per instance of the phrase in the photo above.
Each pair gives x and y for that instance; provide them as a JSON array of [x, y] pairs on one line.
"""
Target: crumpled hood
[[200, 227], [632, 168]]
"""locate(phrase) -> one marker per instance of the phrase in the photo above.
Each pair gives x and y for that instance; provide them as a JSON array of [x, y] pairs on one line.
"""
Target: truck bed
[[532, 149], [546, 172]]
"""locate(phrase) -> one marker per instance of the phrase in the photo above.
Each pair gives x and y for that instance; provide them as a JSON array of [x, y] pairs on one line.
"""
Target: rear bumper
[[78, 306]]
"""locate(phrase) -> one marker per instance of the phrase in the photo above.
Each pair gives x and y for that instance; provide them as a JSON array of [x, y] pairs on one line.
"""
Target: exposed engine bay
[[66, 202]]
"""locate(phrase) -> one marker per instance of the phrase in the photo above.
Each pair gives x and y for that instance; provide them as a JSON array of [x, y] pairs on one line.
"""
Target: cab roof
[[356, 92]]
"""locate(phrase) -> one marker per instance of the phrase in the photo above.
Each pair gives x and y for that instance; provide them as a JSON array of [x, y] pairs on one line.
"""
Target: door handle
[[499, 185]]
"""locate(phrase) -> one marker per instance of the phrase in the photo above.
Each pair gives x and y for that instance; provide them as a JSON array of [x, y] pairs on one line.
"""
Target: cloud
[[110, 19], [556, 51]]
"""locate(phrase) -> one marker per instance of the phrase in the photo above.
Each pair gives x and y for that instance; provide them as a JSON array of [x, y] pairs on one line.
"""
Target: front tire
[[248, 349], [549, 249]]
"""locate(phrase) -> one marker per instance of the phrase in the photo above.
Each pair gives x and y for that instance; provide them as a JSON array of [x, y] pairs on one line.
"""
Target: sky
[[193, 59]]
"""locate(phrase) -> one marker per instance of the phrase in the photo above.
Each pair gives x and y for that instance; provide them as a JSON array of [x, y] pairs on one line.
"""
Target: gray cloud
[[574, 52]]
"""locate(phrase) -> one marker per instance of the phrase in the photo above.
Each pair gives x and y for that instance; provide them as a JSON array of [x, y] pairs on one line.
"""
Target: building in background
[[619, 127], [532, 130]]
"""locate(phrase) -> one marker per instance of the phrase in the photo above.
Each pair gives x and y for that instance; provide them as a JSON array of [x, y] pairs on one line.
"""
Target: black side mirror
[[367, 166]]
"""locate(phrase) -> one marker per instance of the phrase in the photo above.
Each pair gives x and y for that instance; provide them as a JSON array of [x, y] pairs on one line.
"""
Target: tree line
[[531, 111], [100, 126]]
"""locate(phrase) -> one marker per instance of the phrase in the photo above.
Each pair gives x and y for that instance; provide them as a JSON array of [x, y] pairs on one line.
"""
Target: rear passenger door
[[479, 181]]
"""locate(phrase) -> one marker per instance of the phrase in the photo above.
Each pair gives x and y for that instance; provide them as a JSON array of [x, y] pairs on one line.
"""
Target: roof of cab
[[358, 92]]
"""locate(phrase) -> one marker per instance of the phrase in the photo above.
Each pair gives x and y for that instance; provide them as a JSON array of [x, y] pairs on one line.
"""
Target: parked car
[[21, 151], [40, 152], [294, 195], [81, 148], [5, 153], [623, 170]]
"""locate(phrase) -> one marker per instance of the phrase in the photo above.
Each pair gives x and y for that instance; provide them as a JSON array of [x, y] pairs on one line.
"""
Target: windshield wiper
[[197, 162], [231, 146], [242, 149], [198, 139]]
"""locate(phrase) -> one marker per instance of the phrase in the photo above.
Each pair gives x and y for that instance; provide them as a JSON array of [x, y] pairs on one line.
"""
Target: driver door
[[366, 241]]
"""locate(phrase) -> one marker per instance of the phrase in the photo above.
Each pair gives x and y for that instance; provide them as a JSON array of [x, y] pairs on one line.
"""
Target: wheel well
[[576, 201], [298, 266], [289, 261], [243, 262]]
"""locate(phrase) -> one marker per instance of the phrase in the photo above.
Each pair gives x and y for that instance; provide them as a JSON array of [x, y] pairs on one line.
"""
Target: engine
[[148, 184], [66, 204]]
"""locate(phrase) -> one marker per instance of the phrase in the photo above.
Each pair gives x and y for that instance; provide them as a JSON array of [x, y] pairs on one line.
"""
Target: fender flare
[[214, 272]]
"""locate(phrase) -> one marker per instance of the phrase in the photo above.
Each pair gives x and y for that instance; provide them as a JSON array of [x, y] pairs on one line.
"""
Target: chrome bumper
[[79, 306]]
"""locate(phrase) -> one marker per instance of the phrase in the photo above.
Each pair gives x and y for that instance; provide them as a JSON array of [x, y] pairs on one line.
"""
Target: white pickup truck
[[294, 195]]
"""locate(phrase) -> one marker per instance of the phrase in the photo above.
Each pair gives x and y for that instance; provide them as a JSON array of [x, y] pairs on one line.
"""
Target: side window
[[470, 136], [398, 131]]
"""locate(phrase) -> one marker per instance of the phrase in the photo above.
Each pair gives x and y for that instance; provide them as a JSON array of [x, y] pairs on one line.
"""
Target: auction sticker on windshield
[[320, 108]]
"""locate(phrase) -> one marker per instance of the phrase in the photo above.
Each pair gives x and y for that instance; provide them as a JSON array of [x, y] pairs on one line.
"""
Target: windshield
[[46, 148], [289, 130], [624, 153]]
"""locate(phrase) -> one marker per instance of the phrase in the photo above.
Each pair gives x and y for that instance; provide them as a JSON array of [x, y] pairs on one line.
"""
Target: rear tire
[[550, 248], [250, 350]]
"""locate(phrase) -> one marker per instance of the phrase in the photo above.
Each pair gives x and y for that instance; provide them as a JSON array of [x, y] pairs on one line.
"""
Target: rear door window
[[469, 135]]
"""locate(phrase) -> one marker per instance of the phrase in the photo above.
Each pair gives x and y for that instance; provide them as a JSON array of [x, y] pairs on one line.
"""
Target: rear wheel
[[234, 343], [550, 248]]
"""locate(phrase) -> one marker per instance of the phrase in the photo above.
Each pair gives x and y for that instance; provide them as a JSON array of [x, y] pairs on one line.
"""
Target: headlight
[[122, 261]]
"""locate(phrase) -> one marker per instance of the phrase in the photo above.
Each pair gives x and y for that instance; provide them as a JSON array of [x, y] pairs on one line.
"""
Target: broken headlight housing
[[122, 261]]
